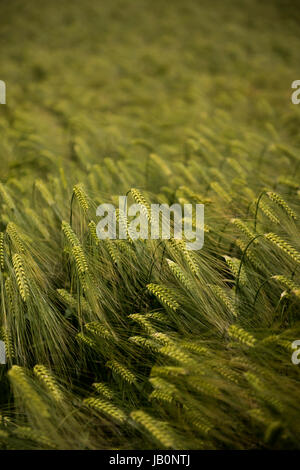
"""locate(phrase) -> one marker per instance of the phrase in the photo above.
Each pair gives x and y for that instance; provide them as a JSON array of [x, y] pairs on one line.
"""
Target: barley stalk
[[283, 246], [21, 277]]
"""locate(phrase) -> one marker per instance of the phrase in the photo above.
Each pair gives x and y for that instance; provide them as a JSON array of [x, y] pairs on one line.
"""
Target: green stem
[[241, 264], [153, 261], [71, 208], [259, 289], [256, 210]]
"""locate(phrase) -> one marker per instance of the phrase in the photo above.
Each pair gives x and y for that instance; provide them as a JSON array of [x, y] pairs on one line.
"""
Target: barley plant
[[144, 344]]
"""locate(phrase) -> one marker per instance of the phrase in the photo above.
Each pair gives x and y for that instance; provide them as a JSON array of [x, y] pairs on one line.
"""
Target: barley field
[[144, 344]]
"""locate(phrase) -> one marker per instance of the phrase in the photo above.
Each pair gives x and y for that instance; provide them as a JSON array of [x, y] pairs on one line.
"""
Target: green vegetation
[[144, 344]]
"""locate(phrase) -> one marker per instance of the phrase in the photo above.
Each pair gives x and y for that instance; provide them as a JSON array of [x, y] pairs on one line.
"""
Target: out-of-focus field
[[134, 70], [144, 344]]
